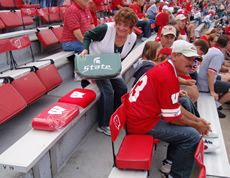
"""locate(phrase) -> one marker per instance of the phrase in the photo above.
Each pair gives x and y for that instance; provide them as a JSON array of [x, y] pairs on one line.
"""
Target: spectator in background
[[142, 22], [112, 37], [152, 107], [146, 61], [209, 70], [77, 21], [168, 36]]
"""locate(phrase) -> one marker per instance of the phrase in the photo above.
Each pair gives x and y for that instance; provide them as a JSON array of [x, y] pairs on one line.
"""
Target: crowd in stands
[[171, 72]]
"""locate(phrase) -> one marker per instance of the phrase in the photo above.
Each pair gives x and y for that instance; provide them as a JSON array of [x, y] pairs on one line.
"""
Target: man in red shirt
[[77, 21], [152, 107]]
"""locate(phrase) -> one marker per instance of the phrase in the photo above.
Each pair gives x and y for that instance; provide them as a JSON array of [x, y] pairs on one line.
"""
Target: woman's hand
[[203, 127], [84, 52], [183, 93]]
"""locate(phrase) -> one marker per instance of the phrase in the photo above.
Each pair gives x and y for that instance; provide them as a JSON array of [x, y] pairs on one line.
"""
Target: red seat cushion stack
[[56, 116]]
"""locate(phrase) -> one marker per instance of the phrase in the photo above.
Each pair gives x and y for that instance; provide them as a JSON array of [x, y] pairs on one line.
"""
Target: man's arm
[[77, 33], [189, 119], [211, 79]]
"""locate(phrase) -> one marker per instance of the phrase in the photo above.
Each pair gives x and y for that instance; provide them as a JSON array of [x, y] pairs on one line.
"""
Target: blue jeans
[[111, 92], [75, 46], [186, 102], [145, 26], [182, 144]]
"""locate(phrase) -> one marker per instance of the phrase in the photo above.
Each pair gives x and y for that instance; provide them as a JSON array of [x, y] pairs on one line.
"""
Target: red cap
[[165, 51]]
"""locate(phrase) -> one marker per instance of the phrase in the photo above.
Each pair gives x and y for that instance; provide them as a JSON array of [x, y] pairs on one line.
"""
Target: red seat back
[[11, 102], [26, 20], [49, 76], [199, 158], [30, 87], [29, 12], [58, 32], [19, 42], [117, 122], [55, 117], [2, 25], [10, 19], [54, 14], [5, 45], [9, 4], [79, 96], [47, 38]]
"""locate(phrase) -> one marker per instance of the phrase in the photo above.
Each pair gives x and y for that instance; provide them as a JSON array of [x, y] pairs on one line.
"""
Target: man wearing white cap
[[168, 36], [181, 21], [152, 107]]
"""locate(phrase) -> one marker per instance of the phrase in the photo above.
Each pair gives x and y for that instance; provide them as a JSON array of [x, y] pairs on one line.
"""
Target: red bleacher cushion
[[133, 145], [49, 76], [47, 37], [55, 116], [29, 86], [11, 102], [79, 96]]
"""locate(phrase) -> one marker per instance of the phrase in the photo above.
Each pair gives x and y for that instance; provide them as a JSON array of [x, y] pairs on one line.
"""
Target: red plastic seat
[[55, 117], [2, 25], [79, 96], [10, 19], [199, 158], [58, 32], [30, 87], [47, 37], [26, 20], [49, 76], [8, 4], [11, 102], [135, 151], [54, 14]]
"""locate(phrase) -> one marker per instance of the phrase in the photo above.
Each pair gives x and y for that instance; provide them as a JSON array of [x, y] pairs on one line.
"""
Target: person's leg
[[145, 26], [75, 46], [120, 88], [106, 102], [183, 141], [186, 102]]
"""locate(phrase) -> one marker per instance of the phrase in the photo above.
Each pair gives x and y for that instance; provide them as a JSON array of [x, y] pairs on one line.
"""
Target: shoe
[[212, 135], [166, 166], [220, 108], [209, 146], [104, 129], [220, 114]]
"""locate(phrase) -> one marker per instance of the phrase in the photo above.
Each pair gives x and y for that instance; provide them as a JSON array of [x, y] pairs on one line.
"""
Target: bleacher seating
[[47, 37], [11, 102], [136, 151], [216, 163], [58, 32]]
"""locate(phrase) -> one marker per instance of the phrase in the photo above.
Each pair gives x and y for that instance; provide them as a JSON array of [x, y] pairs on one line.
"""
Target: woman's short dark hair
[[126, 15], [202, 44], [222, 41]]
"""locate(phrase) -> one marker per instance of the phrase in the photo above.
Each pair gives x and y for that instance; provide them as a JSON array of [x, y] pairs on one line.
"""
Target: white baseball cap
[[168, 29], [165, 7], [180, 17], [185, 48]]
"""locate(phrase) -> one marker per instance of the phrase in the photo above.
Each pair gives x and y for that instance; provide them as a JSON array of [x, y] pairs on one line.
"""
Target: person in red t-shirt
[[77, 21], [152, 107]]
